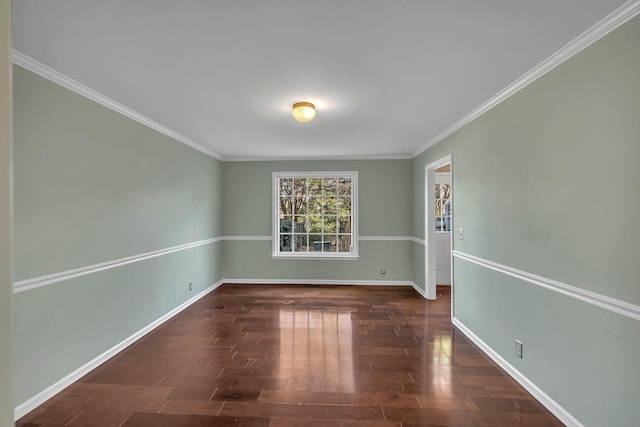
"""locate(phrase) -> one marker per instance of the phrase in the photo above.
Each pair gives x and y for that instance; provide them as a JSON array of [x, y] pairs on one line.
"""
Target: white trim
[[245, 238], [386, 238], [553, 406], [37, 282], [443, 177], [361, 238], [328, 282], [430, 220], [593, 34], [617, 306], [63, 80], [308, 256], [320, 282], [49, 279], [618, 17], [419, 290], [419, 241], [275, 208], [30, 404], [322, 158]]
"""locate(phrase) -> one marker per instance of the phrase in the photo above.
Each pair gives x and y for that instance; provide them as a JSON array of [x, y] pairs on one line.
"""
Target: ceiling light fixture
[[303, 111]]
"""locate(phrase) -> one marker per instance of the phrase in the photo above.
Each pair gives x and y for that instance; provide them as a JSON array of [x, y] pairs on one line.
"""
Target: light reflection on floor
[[316, 349], [442, 375]]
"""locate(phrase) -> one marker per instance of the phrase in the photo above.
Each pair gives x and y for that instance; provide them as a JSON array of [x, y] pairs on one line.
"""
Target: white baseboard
[[320, 282], [553, 406], [410, 283], [419, 290], [29, 405]]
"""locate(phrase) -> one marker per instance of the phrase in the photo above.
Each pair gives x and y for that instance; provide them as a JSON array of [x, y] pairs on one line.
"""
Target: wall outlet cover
[[519, 349]]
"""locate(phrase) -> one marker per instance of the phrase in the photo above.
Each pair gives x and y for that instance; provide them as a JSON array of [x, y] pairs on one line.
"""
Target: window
[[315, 215], [443, 207]]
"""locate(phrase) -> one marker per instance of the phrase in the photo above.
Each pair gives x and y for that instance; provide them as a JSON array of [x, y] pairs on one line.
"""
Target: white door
[[443, 228]]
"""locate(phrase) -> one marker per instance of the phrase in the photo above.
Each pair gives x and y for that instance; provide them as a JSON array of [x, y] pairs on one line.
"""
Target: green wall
[[93, 186], [6, 288], [547, 182], [384, 200]]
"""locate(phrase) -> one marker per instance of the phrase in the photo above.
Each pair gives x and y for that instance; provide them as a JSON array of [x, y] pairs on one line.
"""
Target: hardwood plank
[[323, 412], [178, 420], [299, 356], [100, 417]]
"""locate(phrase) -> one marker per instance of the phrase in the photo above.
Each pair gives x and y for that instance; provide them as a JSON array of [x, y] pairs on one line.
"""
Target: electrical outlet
[[190, 286], [383, 271], [460, 233], [519, 349]]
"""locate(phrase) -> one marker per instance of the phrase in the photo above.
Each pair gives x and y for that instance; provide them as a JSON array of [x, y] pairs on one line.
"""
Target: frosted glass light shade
[[303, 111]]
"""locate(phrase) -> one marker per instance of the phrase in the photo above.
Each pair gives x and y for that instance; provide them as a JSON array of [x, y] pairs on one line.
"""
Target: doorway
[[439, 225]]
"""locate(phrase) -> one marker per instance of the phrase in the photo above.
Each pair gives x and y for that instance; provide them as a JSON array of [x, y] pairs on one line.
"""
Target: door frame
[[429, 229]]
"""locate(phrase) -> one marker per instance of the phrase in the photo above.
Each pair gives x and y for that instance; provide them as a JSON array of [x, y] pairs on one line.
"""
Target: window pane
[[447, 216], [329, 224], [344, 186], [329, 206], [315, 186], [344, 243], [285, 243], [300, 224], [286, 186], [314, 242], [322, 246], [300, 243], [329, 186], [344, 206], [315, 224], [300, 186], [315, 205], [285, 224], [344, 224], [333, 243], [286, 205], [300, 205]]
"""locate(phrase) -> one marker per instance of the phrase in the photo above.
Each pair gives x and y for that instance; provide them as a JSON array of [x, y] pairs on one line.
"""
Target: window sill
[[332, 257]]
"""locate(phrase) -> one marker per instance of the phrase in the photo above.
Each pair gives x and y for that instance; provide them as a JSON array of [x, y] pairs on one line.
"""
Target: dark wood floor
[[288, 356]]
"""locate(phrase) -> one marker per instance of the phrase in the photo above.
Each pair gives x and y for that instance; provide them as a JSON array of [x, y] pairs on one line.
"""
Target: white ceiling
[[387, 76]]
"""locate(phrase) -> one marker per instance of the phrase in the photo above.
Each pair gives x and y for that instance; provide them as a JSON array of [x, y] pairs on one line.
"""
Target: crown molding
[[618, 17], [65, 81], [593, 34], [322, 158]]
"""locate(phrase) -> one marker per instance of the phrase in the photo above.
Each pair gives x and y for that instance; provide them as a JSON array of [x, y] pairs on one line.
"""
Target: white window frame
[[275, 234]]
